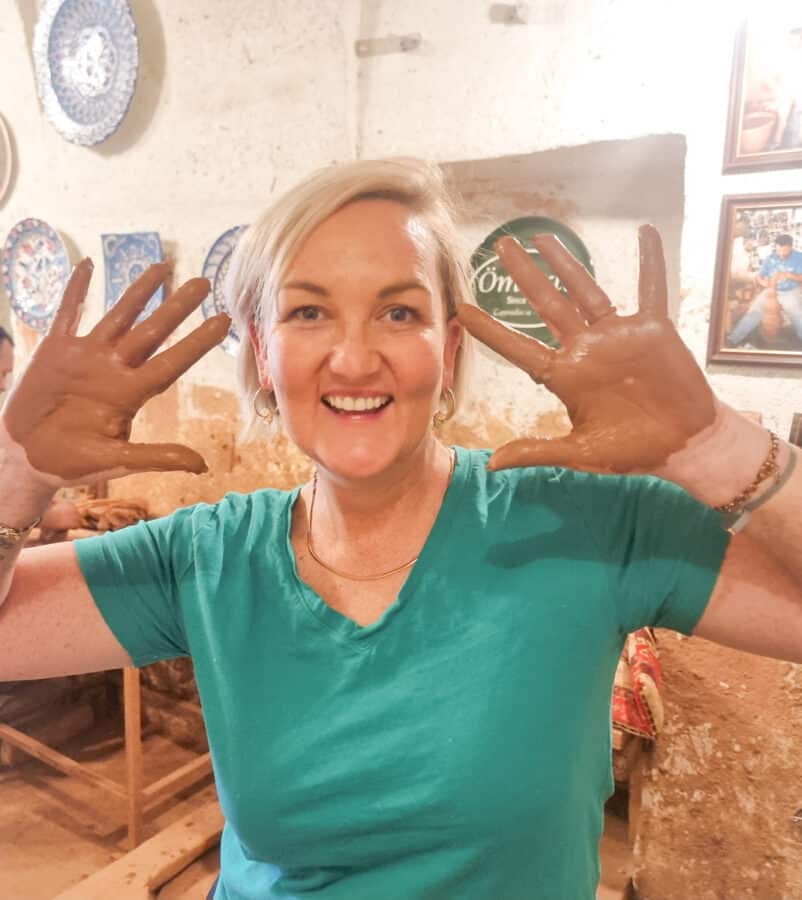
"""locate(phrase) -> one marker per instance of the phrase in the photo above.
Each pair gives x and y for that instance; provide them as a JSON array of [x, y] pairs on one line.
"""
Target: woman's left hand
[[632, 389]]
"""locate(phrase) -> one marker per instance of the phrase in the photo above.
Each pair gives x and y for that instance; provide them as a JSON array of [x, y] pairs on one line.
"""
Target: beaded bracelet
[[733, 521], [768, 467]]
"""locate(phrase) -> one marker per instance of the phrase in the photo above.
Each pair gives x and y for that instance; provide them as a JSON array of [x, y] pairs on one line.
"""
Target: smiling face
[[358, 348]]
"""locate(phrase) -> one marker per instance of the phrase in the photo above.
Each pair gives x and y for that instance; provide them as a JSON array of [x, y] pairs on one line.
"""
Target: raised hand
[[72, 409], [632, 389]]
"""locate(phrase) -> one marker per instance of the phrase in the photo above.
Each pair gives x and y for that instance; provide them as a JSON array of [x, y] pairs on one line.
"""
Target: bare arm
[[49, 624], [68, 420], [755, 605], [640, 404], [777, 524]]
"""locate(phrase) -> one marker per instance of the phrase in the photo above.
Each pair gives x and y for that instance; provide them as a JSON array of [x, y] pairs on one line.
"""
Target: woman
[[405, 665]]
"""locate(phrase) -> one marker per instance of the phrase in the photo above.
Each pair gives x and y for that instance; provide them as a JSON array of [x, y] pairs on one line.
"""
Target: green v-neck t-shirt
[[459, 747]]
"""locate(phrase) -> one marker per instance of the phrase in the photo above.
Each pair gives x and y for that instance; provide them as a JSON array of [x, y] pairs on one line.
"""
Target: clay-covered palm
[[632, 389], [72, 409]]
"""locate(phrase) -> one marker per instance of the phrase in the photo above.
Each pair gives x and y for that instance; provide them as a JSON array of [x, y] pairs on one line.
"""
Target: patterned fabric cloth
[[637, 692]]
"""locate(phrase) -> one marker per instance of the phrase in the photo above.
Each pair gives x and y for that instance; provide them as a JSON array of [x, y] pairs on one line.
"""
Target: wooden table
[[137, 796]]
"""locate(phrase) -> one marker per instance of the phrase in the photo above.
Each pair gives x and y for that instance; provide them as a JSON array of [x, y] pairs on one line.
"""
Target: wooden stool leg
[[133, 754]]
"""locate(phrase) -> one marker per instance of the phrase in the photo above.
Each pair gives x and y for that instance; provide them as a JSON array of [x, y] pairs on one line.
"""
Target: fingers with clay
[[72, 409], [632, 390]]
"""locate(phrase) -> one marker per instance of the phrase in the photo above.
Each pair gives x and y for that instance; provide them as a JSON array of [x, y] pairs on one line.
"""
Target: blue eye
[[401, 314], [305, 313]]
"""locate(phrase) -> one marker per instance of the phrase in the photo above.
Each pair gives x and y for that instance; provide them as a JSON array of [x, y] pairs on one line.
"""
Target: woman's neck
[[409, 492]]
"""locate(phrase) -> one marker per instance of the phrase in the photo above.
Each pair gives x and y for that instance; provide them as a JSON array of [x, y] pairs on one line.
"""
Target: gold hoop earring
[[440, 418], [261, 406]]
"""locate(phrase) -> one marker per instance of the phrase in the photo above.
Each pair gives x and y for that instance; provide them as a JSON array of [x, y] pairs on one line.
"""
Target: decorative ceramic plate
[[215, 268], [86, 56], [35, 271], [6, 161], [497, 294], [126, 257]]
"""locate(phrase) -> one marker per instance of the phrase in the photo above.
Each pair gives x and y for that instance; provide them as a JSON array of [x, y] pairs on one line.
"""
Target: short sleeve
[[663, 548], [765, 269], [134, 576]]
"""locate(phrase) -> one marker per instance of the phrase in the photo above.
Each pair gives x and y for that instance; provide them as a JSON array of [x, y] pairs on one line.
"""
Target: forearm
[[24, 496], [720, 463], [777, 524]]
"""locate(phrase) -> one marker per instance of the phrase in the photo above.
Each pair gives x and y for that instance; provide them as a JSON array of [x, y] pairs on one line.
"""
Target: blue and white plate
[[35, 271], [215, 268], [6, 159], [86, 56], [126, 257]]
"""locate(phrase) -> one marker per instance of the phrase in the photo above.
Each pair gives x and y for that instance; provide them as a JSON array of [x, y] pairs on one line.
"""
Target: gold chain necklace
[[334, 571]]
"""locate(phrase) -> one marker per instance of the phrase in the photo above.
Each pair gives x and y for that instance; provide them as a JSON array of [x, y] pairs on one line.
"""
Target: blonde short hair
[[266, 249]]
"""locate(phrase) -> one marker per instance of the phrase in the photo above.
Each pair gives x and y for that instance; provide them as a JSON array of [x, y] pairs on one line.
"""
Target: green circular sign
[[495, 291]]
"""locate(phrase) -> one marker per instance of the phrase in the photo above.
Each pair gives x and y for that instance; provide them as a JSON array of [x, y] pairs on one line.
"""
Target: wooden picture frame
[[750, 322], [764, 122], [795, 434]]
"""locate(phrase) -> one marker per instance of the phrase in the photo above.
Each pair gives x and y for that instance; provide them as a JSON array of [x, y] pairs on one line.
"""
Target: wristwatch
[[10, 537]]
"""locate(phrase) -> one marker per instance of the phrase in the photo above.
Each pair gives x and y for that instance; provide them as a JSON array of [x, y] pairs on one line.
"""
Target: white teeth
[[356, 404]]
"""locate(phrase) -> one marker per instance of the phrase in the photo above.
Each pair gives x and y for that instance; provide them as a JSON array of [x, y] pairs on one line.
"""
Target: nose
[[354, 356]]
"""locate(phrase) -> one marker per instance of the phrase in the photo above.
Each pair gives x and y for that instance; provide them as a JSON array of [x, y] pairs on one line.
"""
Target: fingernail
[[504, 245], [87, 263]]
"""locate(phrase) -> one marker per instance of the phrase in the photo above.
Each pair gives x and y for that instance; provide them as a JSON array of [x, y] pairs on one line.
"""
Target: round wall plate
[[215, 268], [35, 270], [6, 159], [86, 56]]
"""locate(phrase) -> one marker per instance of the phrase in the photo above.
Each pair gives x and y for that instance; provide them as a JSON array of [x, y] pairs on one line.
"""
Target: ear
[[454, 337], [261, 358]]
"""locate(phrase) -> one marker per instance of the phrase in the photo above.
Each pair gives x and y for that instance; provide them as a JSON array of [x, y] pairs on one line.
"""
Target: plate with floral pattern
[[35, 270], [126, 256], [215, 268], [86, 57]]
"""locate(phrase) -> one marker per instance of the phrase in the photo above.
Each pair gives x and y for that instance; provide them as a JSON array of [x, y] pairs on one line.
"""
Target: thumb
[[571, 452], [160, 458]]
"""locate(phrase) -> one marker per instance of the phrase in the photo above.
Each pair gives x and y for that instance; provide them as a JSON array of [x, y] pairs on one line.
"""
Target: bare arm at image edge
[[67, 420]]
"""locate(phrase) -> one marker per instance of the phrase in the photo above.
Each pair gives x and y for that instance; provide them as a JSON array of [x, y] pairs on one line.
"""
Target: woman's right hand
[[72, 408]]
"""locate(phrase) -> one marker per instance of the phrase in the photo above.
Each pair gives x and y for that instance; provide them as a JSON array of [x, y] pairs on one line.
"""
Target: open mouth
[[361, 405]]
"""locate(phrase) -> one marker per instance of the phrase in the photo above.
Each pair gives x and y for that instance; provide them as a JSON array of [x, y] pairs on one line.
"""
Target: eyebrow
[[390, 291]]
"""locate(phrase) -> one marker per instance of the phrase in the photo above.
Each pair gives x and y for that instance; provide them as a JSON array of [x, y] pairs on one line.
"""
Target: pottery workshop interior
[[141, 132]]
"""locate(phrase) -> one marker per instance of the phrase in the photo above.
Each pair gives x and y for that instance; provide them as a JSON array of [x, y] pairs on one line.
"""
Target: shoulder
[[553, 485], [568, 491], [236, 517], [233, 510]]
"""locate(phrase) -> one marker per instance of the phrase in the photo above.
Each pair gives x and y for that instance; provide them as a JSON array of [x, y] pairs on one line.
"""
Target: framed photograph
[[795, 435], [764, 124], [756, 312]]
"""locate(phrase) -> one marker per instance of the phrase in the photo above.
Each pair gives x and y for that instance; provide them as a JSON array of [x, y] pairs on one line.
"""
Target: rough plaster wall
[[580, 72], [233, 104], [237, 102]]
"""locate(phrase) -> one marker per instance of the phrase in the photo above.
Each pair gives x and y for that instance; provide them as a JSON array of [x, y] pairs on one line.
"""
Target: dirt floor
[[55, 831]]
